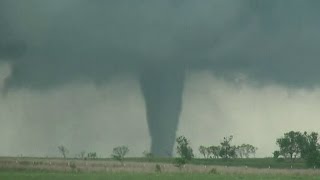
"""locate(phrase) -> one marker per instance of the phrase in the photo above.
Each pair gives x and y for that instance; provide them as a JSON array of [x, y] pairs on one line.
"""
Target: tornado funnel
[[162, 89]]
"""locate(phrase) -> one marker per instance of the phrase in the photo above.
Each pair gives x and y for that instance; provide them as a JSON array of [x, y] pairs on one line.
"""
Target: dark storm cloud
[[52, 43], [93, 39], [90, 40]]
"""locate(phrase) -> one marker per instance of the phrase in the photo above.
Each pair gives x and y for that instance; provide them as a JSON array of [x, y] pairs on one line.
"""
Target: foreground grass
[[249, 162], [7, 175]]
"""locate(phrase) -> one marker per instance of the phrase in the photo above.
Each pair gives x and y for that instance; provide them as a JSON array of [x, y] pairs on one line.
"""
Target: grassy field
[[138, 176], [141, 168], [254, 162], [249, 162]]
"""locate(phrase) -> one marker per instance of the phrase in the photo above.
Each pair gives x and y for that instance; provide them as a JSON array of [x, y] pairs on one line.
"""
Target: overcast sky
[[98, 118], [70, 71]]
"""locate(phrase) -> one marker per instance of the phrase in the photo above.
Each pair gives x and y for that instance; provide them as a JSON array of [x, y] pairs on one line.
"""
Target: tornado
[[162, 89], [50, 44]]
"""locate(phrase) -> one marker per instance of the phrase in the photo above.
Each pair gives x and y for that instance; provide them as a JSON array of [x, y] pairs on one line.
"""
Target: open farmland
[[42, 168], [139, 176]]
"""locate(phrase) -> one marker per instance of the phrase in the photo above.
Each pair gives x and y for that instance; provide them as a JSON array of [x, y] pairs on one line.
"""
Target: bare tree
[[245, 150], [204, 151], [82, 154], [119, 153], [63, 150]]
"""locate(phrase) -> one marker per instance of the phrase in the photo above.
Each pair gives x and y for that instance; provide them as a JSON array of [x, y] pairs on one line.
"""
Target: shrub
[[158, 168]]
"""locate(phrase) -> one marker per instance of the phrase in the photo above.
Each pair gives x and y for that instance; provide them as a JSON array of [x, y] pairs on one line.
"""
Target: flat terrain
[[141, 168], [139, 176], [249, 162]]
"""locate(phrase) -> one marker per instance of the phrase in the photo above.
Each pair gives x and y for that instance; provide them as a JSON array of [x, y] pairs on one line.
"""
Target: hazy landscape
[[159, 89]]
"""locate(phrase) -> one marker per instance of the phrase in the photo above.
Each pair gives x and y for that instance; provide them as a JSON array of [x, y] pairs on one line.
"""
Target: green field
[[138, 176], [24, 168]]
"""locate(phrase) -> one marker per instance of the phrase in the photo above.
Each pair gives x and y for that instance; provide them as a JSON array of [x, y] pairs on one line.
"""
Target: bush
[[180, 162], [73, 166], [148, 155], [158, 168], [276, 154], [313, 159], [213, 171]]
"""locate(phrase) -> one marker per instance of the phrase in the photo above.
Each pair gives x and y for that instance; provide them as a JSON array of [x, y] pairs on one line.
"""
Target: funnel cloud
[[49, 44], [162, 91]]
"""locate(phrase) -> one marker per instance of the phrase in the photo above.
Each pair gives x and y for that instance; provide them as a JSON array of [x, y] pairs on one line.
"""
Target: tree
[[245, 150], [63, 150], [310, 150], [276, 154], [204, 151], [252, 150], [227, 151], [289, 144], [305, 145], [214, 151], [184, 150], [82, 154], [119, 153], [92, 155], [148, 155]]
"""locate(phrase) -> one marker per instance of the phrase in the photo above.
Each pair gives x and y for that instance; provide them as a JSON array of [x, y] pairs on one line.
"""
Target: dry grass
[[61, 165]]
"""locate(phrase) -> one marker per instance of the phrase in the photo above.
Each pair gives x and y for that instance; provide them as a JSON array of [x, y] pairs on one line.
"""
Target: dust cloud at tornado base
[[98, 118]]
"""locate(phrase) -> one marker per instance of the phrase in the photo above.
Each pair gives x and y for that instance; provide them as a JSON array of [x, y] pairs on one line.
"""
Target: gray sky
[[91, 41], [97, 118], [251, 71]]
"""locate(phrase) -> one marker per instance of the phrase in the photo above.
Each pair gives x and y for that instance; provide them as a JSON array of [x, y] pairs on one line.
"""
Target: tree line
[[292, 145], [303, 145], [227, 150]]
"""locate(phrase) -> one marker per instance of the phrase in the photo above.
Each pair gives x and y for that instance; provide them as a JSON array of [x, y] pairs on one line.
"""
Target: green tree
[[184, 150], [227, 151], [214, 151], [305, 145], [289, 145], [310, 150], [92, 155], [276, 154]]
